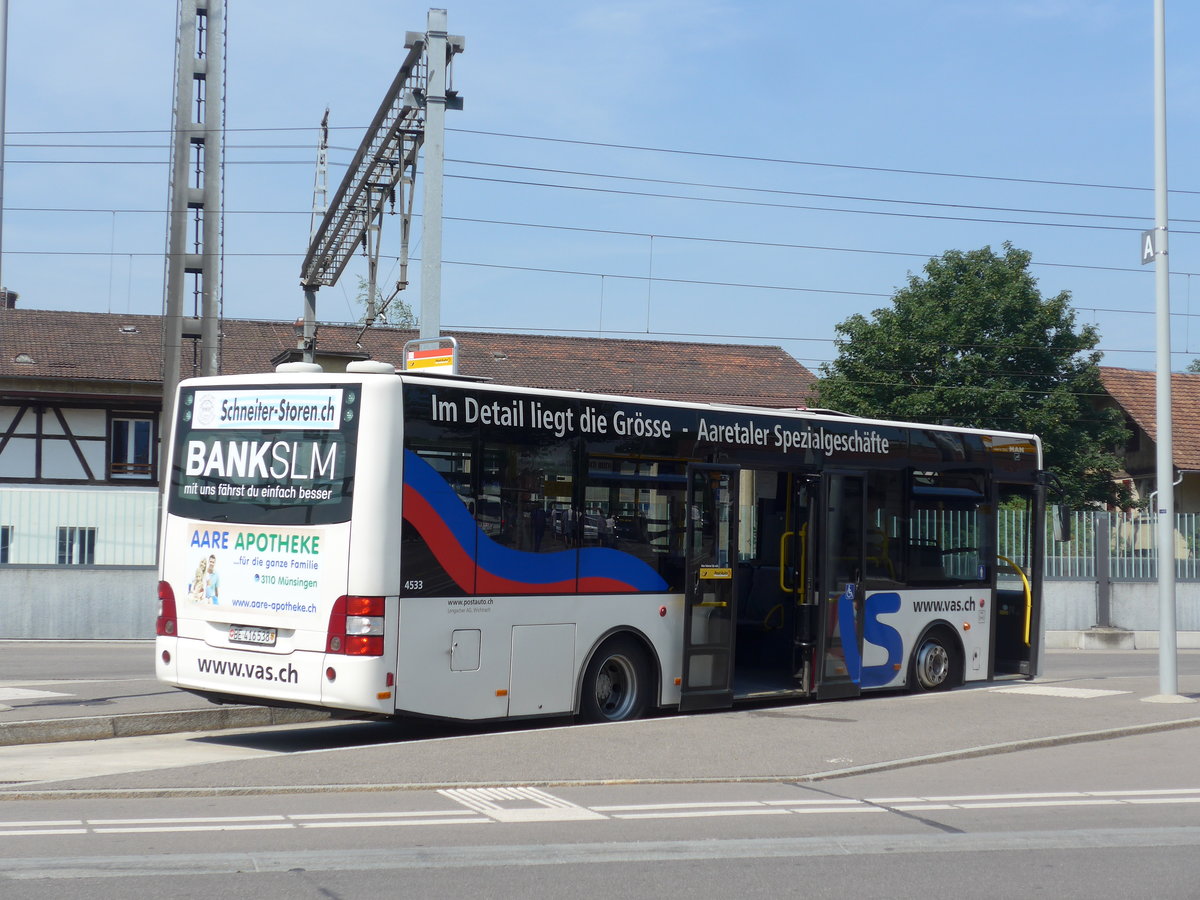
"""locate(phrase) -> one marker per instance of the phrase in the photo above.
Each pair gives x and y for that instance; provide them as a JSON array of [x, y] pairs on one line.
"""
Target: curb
[[95, 728], [17, 792]]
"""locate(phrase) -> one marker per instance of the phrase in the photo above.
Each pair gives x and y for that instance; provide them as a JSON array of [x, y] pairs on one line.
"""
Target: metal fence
[[1122, 545], [76, 526]]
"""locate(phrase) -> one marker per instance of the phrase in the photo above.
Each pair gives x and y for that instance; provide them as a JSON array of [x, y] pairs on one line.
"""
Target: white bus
[[402, 545]]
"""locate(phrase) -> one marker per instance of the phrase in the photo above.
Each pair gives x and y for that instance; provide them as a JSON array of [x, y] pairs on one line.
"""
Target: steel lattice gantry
[[381, 174]]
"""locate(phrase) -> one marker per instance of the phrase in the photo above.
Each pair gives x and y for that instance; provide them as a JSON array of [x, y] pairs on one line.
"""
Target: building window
[[76, 546], [130, 445], [6, 536]]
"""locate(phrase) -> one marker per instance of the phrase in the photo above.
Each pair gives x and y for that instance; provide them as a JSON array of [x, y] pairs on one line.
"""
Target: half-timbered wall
[[44, 443]]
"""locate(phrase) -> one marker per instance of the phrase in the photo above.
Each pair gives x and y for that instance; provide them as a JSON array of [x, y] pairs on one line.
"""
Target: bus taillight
[[356, 627], [165, 624]]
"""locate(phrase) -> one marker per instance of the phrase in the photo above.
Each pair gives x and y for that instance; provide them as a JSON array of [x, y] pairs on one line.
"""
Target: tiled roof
[[1135, 392], [115, 348]]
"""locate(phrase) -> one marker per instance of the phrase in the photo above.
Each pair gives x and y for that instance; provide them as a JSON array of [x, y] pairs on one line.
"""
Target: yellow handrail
[[1028, 595], [783, 541]]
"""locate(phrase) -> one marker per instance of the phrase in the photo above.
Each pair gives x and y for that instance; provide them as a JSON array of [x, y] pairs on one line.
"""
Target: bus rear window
[[265, 455]]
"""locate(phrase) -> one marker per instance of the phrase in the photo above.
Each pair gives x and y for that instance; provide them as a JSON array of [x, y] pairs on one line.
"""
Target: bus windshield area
[[265, 456]]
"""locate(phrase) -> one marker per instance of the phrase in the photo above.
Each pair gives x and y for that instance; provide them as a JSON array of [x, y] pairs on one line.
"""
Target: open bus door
[[710, 600], [798, 564], [841, 539], [1017, 629]]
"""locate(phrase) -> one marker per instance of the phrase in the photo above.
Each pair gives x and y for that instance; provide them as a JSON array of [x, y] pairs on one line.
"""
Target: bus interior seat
[[925, 562]]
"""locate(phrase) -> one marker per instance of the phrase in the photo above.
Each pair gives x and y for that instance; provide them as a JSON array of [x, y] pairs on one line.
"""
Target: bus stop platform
[[53, 691], [47, 696]]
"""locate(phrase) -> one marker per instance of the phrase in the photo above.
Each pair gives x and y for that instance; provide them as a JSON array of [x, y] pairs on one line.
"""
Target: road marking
[[645, 807], [498, 804], [49, 824], [176, 829], [1027, 804], [703, 814], [531, 805], [434, 819], [378, 815], [1033, 800], [826, 801], [1044, 690], [198, 820], [24, 832]]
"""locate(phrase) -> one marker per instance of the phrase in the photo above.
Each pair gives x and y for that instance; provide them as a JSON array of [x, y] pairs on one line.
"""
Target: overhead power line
[[675, 183], [657, 279], [785, 245], [894, 170], [801, 162]]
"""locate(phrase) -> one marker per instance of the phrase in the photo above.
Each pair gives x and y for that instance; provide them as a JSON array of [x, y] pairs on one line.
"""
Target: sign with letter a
[[1148, 249]]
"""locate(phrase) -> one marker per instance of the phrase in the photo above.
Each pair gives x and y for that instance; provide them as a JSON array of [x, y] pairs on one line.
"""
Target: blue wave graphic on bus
[[875, 632], [479, 564]]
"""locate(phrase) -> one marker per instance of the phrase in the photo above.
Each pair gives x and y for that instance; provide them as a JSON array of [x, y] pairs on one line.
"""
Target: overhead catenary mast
[[321, 181], [194, 211], [382, 174]]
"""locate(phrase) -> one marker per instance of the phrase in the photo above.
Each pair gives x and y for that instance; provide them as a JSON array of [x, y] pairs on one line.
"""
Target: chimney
[[8, 299]]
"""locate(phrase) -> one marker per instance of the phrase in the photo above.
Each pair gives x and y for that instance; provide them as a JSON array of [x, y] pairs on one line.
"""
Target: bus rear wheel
[[936, 663], [616, 683]]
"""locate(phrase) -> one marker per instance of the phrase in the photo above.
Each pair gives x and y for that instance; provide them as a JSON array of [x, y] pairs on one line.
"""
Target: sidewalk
[[46, 696], [89, 690]]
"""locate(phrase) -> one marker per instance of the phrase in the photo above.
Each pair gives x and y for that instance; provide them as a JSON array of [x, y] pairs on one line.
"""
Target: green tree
[[1194, 366], [397, 313], [973, 342]]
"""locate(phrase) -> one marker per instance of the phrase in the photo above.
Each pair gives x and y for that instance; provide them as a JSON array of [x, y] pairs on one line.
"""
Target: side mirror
[[1061, 516]]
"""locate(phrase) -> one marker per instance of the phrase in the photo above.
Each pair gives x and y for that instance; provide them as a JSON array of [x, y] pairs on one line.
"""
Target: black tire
[[937, 662], [616, 684]]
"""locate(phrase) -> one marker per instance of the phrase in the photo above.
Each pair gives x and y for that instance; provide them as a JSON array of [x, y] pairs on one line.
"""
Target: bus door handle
[[784, 539]]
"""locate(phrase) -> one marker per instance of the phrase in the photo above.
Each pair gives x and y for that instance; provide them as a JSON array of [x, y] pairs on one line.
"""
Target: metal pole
[[309, 341], [1167, 665], [177, 212], [1101, 554], [3, 93], [434, 149], [214, 139]]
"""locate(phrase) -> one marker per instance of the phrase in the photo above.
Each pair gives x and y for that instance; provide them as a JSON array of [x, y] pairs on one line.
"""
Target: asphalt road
[[1075, 785], [1112, 818]]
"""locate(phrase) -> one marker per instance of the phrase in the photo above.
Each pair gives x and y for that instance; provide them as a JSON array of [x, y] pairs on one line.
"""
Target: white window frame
[[124, 469], [76, 545]]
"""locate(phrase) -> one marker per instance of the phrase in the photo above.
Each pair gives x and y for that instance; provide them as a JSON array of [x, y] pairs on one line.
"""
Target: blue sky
[[797, 159]]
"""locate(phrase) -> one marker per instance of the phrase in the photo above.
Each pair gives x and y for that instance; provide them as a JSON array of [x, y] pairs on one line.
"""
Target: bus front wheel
[[617, 682], [936, 663]]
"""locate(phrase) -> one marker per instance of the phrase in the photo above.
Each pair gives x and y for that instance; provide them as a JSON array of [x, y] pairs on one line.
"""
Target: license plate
[[244, 634]]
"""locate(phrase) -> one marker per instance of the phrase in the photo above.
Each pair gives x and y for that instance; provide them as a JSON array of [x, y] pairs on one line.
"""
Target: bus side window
[[885, 531], [947, 518]]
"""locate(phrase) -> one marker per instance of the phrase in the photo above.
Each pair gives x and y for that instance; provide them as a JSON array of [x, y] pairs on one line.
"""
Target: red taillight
[[165, 624], [364, 645], [356, 627], [364, 606]]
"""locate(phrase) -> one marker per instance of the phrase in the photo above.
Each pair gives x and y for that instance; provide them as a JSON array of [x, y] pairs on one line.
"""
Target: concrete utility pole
[[194, 224]]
